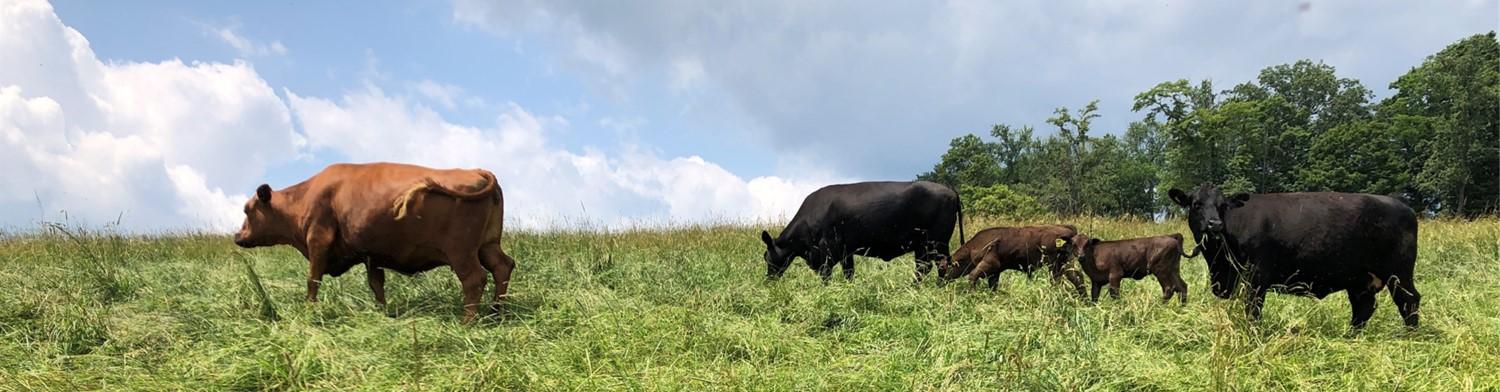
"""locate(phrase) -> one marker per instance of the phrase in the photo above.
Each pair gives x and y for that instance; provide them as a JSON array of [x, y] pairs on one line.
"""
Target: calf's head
[[265, 225], [777, 257], [956, 265], [1206, 208], [1083, 247]]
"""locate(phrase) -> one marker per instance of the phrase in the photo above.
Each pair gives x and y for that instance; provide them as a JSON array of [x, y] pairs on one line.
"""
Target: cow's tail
[[1180, 242], [487, 191], [960, 199]]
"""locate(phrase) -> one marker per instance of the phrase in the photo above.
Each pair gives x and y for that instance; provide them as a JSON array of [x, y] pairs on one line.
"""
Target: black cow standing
[[1312, 244], [872, 219]]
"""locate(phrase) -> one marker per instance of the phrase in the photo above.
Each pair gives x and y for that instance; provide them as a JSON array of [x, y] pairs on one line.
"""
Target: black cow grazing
[[872, 219], [1311, 244]]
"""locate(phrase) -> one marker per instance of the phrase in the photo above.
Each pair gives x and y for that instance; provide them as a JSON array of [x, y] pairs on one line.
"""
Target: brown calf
[[1023, 249], [1106, 262], [404, 218]]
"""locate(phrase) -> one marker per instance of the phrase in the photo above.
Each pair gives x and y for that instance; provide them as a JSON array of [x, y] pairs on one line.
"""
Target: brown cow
[[1023, 249], [400, 217], [1106, 262]]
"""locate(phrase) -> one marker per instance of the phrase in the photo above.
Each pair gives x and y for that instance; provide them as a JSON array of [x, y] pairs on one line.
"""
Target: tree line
[[1434, 143]]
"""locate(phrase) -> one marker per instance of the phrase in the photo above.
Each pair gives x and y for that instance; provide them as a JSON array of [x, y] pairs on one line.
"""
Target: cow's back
[[875, 214], [1329, 233], [362, 199]]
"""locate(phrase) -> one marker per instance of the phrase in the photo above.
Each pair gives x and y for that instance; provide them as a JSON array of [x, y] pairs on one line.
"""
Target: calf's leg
[[1114, 283], [1168, 286], [1182, 289], [1076, 280]]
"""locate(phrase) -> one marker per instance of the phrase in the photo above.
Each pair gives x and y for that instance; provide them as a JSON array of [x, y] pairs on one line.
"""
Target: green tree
[[1277, 119], [1192, 154], [1452, 99], [1014, 148], [969, 161], [1073, 134], [1357, 157]]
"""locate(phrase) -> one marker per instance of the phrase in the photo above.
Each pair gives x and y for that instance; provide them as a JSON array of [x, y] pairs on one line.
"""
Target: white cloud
[[152, 145], [545, 185], [244, 46], [444, 94], [175, 145], [887, 87]]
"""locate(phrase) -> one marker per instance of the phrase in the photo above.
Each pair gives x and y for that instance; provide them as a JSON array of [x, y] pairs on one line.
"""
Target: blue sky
[[165, 115]]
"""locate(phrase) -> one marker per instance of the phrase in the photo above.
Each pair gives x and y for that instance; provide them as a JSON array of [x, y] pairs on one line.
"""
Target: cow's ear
[[263, 192], [1238, 199], [766, 238], [1180, 197]]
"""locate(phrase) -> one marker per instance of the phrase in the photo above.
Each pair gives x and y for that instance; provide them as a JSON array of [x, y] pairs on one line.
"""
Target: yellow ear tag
[[1060, 242]]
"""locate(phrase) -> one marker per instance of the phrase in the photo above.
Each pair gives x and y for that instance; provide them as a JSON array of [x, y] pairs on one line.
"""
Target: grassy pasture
[[687, 309]]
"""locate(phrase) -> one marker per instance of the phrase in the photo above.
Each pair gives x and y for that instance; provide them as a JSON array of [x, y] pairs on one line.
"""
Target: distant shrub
[[998, 201]]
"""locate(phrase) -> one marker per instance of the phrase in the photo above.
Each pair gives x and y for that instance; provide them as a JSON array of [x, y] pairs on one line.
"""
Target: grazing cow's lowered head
[[265, 224], [778, 257], [1206, 208]]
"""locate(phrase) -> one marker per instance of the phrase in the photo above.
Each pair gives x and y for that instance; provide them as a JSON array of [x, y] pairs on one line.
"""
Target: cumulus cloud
[[885, 87], [545, 185], [177, 145], [151, 145]]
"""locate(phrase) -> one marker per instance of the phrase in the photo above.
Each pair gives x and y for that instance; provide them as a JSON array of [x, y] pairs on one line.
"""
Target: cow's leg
[[1095, 295], [994, 280], [376, 277], [922, 262], [319, 249], [848, 264], [500, 266], [471, 278], [825, 270], [1254, 299], [1362, 304], [923, 265], [1408, 301], [1114, 283]]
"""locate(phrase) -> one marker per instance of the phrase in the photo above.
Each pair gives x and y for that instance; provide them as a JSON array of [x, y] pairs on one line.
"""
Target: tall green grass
[[688, 309]]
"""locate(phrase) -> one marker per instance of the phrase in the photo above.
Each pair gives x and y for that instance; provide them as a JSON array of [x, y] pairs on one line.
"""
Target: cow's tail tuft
[[405, 199]]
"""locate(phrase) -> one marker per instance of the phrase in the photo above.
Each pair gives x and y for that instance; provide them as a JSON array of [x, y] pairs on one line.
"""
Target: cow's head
[[264, 224], [777, 256], [1062, 244], [1206, 209]]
